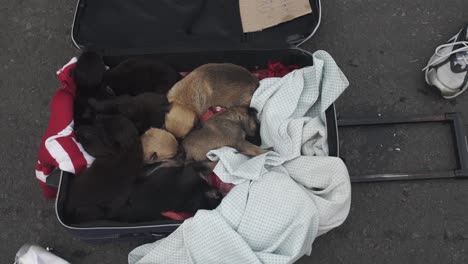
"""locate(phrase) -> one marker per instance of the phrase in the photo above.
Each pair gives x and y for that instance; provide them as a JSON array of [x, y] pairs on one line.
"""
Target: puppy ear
[[154, 156]]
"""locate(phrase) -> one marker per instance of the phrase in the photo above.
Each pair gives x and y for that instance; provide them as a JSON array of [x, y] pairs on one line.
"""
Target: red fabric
[[274, 69], [213, 110], [177, 215], [223, 187], [58, 148]]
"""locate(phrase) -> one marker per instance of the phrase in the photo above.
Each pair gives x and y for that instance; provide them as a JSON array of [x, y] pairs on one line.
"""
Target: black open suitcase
[[184, 34]]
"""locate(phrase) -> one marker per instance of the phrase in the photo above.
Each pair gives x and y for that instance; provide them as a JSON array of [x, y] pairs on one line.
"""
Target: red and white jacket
[[59, 148]]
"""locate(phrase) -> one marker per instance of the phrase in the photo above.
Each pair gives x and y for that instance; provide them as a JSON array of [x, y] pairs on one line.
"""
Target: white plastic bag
[[33, 254]]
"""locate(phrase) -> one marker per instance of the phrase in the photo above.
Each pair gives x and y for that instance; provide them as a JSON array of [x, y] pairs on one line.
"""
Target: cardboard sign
[[257, 15]]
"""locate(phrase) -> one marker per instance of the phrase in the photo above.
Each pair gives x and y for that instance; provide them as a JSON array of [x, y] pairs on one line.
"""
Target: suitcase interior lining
[[179, 25], [186, 62]]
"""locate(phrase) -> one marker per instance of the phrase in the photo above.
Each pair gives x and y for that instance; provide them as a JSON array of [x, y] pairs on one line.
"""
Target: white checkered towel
[[283, 199]]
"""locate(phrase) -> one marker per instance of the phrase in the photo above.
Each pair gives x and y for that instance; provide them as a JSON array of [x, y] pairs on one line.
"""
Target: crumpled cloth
[[59, 148], [283, 199], [34, 254]]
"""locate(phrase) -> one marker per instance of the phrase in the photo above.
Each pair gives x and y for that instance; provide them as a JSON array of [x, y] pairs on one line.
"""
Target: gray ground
[[381, 46]]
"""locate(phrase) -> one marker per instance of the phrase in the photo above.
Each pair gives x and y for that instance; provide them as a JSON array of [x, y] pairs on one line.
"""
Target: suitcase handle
[[459, 133]]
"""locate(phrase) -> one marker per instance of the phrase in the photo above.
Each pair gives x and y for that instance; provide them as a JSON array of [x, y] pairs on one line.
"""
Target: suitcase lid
[[179, 26]]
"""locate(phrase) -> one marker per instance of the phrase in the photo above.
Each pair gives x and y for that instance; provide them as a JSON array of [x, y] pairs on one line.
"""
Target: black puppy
[[99, 191], [178, 188], [145, 110], [138, 75], [88, 74]]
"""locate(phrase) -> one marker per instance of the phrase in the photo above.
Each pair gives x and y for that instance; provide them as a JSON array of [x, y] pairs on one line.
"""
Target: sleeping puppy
[[137, 75], [229, 128], [178, 188], [102, 189], [209, 85], [144, 110], [158, 145], [88, 74]]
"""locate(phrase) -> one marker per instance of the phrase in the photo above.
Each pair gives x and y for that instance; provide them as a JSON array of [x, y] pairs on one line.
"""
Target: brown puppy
[[224, 129], [158, 145], [225, 85]]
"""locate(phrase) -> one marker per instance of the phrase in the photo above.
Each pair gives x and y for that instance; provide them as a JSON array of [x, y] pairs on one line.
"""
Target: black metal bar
[[461, 143], [368, 121], [403, 176]]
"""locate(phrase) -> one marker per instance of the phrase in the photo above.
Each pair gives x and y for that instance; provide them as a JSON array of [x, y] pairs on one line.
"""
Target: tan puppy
[[225, 85], [158, 145], [224, 129]]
